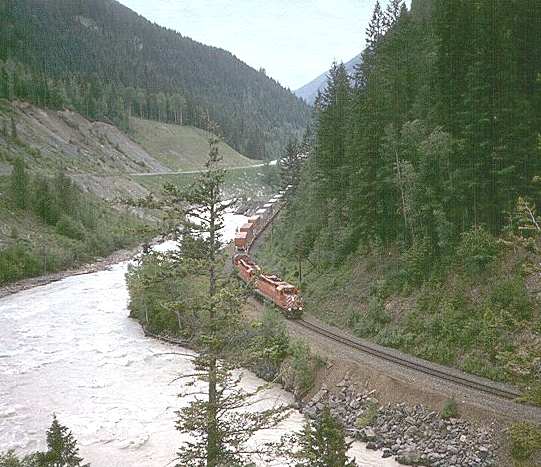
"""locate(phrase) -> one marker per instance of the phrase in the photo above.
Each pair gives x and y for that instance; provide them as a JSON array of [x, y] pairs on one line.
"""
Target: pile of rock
[[414, 435]]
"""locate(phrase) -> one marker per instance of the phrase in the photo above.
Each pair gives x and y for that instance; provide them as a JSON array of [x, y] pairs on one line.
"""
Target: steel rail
[[389, 356], [417, 366]]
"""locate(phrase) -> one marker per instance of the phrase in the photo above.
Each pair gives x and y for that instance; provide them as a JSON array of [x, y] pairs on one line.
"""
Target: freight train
[[269, 286]]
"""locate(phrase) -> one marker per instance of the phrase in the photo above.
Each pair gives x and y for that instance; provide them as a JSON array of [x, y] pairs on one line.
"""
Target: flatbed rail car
[[270, 287]]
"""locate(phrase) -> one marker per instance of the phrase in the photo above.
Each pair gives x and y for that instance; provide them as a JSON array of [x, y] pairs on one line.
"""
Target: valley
[[201, 267]]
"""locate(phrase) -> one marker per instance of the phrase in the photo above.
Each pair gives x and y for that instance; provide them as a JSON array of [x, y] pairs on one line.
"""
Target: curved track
[[390, 355], [415, 364]]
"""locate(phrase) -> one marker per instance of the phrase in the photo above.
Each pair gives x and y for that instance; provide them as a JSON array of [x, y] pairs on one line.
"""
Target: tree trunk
[[402, 195], [212, 440]]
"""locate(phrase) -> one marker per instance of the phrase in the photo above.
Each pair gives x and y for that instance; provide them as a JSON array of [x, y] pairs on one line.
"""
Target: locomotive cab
[[292, 302]]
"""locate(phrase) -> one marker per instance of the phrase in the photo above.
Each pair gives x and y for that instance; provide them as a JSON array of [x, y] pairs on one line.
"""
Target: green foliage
[[524, 220], [269, 345], [416, 154], [417, 263], [13, 129], [369, 324], [300, 371], [367, 418], [16, 262], [477, 249], [62, 448], [322, 443], [525, 440], [271, 175], [154, 286], [533, 394], [222, 423], [97, 72], [62, 451], [9, 459], [19, 182], [449, 410], [509, 302], [291, 163], [70, 228]]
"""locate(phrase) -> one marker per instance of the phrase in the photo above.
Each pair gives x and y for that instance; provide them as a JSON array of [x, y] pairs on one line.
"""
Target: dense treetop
[[118, 61], [437, 133]]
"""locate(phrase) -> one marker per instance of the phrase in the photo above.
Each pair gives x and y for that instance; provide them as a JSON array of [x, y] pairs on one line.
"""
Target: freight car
[[282, 294]]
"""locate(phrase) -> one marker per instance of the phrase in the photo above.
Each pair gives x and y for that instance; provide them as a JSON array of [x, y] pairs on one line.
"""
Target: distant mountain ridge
[[309, 91], [114, 51]]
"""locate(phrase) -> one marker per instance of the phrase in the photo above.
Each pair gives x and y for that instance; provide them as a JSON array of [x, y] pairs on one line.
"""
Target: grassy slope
[[253, 182], [181, 147], [487, 322]]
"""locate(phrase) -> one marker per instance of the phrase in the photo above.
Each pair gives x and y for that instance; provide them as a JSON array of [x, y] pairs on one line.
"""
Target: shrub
[[70, 228], [449, 410], [375, 319], [510, 297], [477, 249], [533, 394], [270, 345], [367, 418], [525, 440], [417, 263], [17, 262], [300, 369]]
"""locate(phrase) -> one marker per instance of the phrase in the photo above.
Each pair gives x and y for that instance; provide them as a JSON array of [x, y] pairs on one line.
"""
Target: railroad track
[[472, 383], [451, 376]]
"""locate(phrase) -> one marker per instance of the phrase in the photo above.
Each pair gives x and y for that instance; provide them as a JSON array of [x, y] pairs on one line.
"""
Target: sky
[[293, 40]]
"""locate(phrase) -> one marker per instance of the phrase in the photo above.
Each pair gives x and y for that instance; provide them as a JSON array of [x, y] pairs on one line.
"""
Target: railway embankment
[[415, 435], [398, 408]]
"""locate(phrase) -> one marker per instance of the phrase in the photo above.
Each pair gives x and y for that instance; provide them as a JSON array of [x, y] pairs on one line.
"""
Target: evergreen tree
[[9, 459], [376, 29], [43, 201], [374, 34], [334, 104], [393, 12], [173, 77], [220, 419], [62, 448], [323, 444], [290, 165], [19, 182]]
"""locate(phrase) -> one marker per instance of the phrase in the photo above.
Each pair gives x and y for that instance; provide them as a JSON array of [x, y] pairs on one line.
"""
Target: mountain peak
[[309, 91]]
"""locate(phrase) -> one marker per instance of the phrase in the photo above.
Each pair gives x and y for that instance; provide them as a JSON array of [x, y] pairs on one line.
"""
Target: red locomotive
[[271, 287], [281, 293]]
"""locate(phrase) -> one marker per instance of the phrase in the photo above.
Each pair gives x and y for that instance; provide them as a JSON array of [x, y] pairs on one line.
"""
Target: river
[[70, 348]]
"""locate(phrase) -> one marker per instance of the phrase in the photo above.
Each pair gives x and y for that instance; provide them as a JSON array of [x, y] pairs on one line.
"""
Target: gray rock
[[409, 458]]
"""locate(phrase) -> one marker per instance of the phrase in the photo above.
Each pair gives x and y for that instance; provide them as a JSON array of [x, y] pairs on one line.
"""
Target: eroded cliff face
[[98, 156]]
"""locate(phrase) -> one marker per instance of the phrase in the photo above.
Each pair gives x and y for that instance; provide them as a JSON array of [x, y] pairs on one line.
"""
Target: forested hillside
[[105, 61], [415, 215]]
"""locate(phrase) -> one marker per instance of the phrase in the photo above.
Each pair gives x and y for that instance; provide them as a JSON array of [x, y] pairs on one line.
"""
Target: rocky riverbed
[[413, 435]]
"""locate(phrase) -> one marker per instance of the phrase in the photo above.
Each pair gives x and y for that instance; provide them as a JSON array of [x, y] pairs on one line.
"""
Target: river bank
[[99, 264], [69, 347]]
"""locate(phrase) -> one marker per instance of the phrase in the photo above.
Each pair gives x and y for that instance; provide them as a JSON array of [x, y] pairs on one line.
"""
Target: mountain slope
[[97, 155], [181, 147], [127, 62], [309, 91]]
